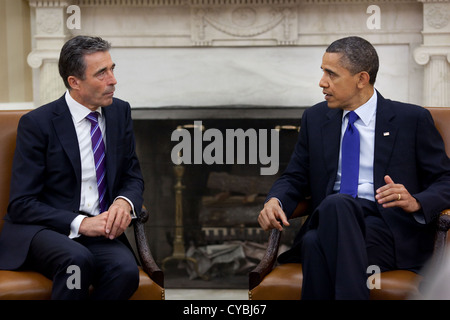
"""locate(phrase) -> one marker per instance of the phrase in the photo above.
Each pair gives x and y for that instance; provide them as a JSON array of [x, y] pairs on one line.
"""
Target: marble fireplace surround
[[264, 53]]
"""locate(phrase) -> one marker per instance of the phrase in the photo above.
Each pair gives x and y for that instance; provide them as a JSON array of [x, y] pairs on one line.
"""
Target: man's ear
[[363, 79], [74, 82]]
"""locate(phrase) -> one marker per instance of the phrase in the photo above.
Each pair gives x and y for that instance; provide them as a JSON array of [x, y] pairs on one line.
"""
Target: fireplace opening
[[218, 240]]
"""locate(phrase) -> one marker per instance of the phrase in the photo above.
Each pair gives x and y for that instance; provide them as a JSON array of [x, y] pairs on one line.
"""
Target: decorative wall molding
[[50, 35], [434, 53], [433, 1], [48, 3], [437, 15], [37, 57], [155, 3], [49, 22], [423, 54]]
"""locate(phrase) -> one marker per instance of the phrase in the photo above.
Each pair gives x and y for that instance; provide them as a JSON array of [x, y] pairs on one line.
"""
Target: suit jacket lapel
[[331, 133], [111, 144], [385, 134], [65, 131]]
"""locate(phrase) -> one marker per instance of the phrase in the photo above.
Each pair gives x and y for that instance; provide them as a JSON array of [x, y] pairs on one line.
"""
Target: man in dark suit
[[402, 180], [63, 220]]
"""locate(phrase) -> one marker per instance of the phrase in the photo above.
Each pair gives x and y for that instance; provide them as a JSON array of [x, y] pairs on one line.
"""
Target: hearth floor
[[179, 279], [206, 294]]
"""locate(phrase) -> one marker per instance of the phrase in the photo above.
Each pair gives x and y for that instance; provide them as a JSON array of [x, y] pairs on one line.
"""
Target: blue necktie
[[98, 147], [350, 158]]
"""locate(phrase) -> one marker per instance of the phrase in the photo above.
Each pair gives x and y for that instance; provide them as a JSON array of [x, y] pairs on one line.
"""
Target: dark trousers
[[76, 264], [346, 235]]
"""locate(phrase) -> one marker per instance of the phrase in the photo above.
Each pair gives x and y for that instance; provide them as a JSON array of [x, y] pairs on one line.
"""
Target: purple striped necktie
[[98, 147]]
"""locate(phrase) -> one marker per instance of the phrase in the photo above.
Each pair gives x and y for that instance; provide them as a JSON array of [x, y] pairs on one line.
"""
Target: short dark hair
[[71, 59], [358, 55]]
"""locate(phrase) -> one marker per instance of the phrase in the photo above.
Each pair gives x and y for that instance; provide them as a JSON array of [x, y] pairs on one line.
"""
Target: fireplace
[[220, 202]]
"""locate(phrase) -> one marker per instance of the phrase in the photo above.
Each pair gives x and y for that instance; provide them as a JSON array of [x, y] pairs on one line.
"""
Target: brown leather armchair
[[29, 285], [284, 282]]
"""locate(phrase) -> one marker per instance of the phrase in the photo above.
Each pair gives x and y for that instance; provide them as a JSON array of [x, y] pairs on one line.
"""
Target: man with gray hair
[[76, 183], [376, 174]]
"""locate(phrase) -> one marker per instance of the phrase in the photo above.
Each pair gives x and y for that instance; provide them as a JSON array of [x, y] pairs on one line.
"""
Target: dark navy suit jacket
[[408, 147], [46, 175]]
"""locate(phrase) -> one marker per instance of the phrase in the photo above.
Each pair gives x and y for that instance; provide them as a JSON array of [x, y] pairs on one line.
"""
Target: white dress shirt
[[89, 201], [366, 127]]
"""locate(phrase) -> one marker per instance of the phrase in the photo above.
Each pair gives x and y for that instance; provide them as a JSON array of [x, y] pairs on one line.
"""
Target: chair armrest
[[444, 221], [443, 225], [148, 263], [301, 209], [268, 260]]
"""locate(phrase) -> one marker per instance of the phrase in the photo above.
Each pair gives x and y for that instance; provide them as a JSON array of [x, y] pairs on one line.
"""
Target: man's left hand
[[396, 195]]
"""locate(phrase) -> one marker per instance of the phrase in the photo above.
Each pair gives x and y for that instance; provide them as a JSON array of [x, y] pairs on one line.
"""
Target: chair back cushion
[[8, 131], [441, 117]]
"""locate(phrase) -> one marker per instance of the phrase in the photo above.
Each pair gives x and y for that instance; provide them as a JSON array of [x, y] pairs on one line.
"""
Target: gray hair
[[357, 55], [71, 59]]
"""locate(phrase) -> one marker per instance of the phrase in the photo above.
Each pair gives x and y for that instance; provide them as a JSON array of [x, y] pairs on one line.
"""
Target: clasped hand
[[109, 224]]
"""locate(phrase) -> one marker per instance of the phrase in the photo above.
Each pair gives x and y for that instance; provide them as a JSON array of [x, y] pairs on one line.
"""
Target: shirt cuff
[[133, 213], [75, 226], [279, 201]]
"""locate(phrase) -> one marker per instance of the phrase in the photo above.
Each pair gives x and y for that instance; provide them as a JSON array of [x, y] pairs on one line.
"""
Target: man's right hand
[[94, 226], [271, 215]]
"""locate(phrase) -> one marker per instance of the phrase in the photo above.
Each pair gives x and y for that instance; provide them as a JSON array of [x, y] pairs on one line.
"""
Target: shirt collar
[[78, 111], [367, 110]]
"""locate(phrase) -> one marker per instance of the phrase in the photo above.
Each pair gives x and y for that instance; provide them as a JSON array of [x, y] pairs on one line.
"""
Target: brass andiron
[[179, 252]]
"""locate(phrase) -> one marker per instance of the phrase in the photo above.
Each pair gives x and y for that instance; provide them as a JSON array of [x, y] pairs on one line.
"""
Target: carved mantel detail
[[262, 23], [437, 15], [159, 3], [50, 35], [434, 53]]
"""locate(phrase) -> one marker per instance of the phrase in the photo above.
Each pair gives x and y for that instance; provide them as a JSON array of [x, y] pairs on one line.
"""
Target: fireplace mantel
[[217, 112], [245, 52]]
